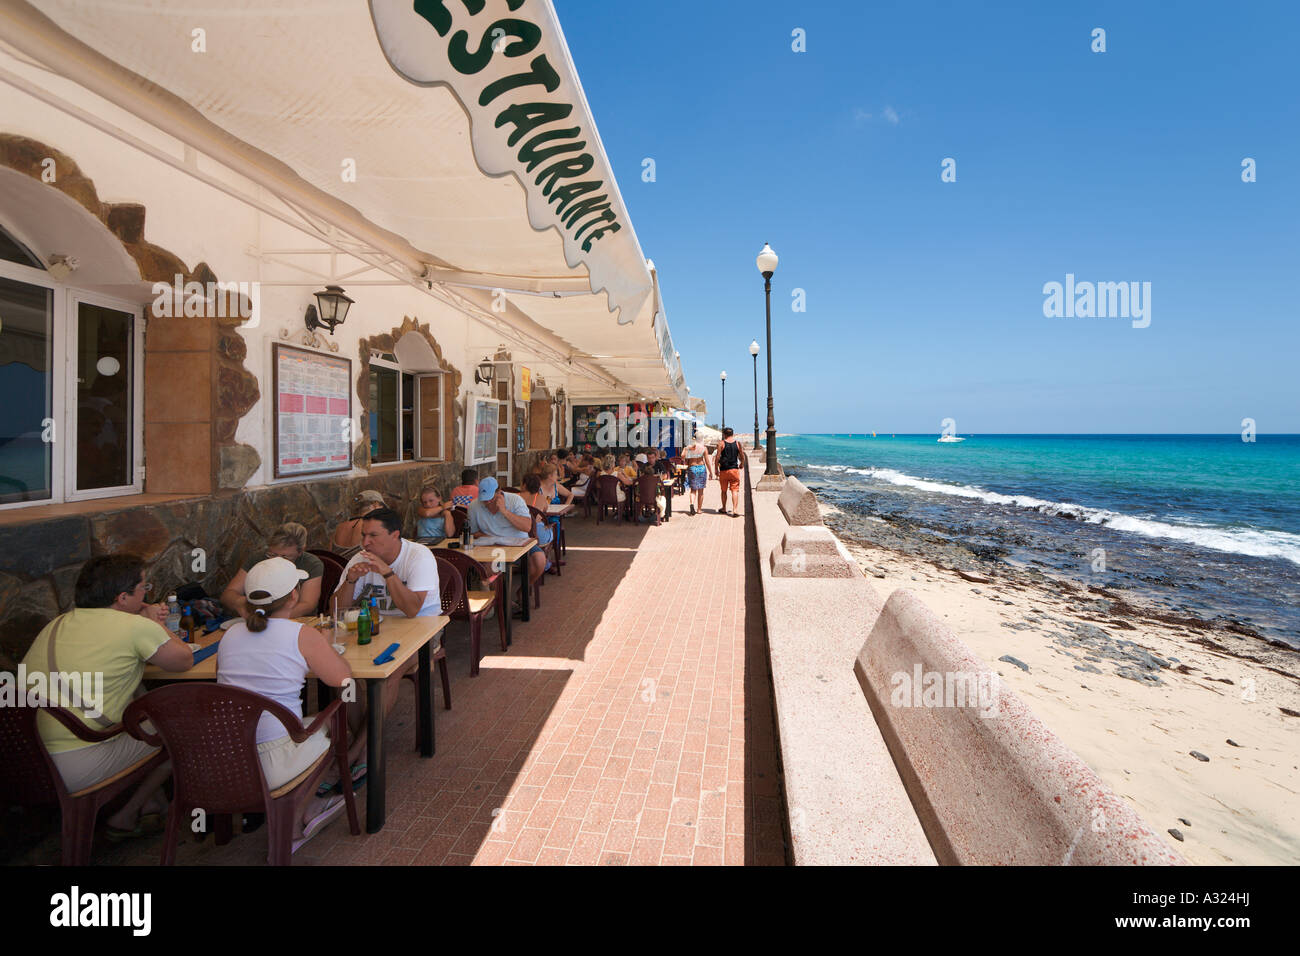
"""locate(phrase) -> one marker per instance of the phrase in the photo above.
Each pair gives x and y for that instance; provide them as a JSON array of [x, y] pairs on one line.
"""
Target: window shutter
[[539, 423]]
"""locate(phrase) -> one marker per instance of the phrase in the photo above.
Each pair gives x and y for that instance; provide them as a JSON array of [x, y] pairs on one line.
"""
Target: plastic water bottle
[[173, 615]]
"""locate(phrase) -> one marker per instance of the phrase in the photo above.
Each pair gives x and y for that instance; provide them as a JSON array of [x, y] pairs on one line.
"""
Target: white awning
[[378, 116]]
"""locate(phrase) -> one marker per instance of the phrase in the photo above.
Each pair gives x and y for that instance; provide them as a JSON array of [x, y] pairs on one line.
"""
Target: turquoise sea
[[1204, 523]]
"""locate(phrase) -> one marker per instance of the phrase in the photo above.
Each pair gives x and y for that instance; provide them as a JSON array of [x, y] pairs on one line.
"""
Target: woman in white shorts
[[269, 654]]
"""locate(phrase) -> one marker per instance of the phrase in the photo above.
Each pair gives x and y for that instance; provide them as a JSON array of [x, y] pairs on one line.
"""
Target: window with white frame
[[70, 386], [407, 412]]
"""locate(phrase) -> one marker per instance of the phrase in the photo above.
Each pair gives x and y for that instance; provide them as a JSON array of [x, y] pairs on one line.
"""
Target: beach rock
[[1184, 821], [1199, 756], [1233, 742], [1176, 835], [1087, 668], [1007, 658]]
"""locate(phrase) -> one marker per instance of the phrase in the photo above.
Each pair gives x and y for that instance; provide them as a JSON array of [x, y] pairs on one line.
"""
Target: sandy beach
[[1197, 726]]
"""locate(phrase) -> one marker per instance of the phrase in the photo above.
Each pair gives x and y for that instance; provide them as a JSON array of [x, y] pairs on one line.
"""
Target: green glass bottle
[[363, 625]]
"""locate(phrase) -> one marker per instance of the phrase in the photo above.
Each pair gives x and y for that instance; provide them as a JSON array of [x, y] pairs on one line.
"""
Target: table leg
[[523, 586], [668, 503], [506, 596], [425, 701], [375, 756]]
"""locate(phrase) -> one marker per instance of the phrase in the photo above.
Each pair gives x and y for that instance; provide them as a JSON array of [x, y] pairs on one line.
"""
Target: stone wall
[[43, 558]]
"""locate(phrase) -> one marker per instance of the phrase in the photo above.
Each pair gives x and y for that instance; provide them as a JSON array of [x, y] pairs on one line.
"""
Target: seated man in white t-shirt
[[405, 570], [408, 574]]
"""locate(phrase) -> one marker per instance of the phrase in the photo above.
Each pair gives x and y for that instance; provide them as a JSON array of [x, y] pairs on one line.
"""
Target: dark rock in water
[[1176, 835], [1199, 756], [1184, 821], [1011, 660], [1233, 742], [1087, 668]]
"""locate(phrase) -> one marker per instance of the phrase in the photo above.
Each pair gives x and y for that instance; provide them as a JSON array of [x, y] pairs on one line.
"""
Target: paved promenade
[[629, 723]]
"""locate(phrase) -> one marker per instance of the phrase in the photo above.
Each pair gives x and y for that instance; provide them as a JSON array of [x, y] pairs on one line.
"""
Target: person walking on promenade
[[726, 464], [698, 471]]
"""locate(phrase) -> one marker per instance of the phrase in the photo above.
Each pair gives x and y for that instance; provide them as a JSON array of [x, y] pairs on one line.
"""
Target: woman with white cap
[[270, 654]]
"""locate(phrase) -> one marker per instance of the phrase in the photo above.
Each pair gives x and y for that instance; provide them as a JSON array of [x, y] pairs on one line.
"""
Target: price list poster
[[313, 401]]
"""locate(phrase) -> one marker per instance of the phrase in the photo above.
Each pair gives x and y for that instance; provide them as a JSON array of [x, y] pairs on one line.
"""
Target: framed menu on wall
[[313, 411], [481, 430]]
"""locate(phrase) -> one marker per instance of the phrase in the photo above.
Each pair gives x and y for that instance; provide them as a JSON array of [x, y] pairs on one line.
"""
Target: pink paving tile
[[679, 841], [551, 856], [646, 852], [621, 835]]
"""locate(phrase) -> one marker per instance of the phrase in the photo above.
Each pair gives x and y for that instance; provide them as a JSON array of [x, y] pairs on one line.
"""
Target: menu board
[[313, 411], [481, 424]]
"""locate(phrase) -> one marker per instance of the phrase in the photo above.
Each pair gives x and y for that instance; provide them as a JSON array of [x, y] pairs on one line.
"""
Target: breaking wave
[[1249, 541]]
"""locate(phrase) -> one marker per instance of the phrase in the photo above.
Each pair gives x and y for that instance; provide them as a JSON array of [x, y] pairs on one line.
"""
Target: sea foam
[[1249, 541]]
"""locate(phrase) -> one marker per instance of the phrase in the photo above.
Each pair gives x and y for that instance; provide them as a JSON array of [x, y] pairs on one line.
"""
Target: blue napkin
[[388, 653], [207, 651]]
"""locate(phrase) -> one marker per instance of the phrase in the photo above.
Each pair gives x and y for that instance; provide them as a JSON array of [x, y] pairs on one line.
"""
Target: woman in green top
[[289, 541], [110, 633]]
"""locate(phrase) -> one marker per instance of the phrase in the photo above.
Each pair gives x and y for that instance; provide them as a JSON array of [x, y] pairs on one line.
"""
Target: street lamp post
[[767, 261], [753, 350], [724, 399]]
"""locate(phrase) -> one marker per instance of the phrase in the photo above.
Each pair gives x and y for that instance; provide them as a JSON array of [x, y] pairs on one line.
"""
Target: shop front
[[221, 310]]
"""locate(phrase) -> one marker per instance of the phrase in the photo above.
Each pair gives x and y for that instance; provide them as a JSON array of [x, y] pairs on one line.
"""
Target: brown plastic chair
[[647, 488], [329, 580], [210, 735], [607, 488], [551, 549], [28, 777], [450, 590], [476, 604]]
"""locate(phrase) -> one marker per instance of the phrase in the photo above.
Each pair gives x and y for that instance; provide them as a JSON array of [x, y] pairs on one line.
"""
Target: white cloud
[[891, 115], [860, 115]]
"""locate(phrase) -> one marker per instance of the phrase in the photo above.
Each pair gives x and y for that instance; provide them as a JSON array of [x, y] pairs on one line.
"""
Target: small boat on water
[[948, 439]]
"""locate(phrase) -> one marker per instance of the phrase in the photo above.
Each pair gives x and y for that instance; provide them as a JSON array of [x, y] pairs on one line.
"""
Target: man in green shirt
[[110, 633], [289, 541]]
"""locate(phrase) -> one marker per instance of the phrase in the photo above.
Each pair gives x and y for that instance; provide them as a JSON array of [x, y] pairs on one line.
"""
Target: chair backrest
[[451, 587], [329, 580], [467, 566], [28, 777], [607, 489], [210, 732], [647, 487]]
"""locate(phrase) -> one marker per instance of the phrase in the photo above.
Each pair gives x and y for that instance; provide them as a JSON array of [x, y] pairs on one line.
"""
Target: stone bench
[[990, 782], [845, 801]]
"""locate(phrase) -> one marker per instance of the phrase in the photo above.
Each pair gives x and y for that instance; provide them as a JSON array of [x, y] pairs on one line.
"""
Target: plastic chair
[[28, 777], [550, 548], [607, 489], [329, 580], [210, 735], [476, 605], [647, 489]]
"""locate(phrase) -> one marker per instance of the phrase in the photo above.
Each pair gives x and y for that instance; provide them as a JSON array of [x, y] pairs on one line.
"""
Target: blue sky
[[924, 298]]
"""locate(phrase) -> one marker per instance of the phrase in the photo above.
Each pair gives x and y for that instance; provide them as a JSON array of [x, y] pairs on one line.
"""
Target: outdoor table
[[667, 485], [413, 635], [559, 511], [510, 555]]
